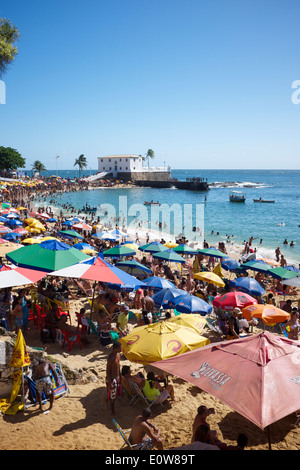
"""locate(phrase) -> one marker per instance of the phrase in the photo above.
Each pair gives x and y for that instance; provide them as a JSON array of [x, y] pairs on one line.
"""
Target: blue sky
[[205, 84]]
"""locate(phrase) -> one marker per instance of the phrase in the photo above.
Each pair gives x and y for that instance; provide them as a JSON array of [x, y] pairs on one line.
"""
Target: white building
[[120, 164]]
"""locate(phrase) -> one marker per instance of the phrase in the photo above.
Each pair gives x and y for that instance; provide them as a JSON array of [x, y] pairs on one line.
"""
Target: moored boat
[[146, 203], [263, 200], [236, 196]]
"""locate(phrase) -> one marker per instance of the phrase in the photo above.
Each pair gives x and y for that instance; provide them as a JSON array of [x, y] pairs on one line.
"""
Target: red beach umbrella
[[234, 299], [257, 376]]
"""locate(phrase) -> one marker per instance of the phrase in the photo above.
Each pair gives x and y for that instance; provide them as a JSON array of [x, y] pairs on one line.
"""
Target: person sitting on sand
[[200, 420], [154, 391], [144, 433]]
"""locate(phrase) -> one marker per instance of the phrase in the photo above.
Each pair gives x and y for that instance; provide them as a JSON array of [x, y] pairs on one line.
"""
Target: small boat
[[263, 200], [236, 196], [150, 203]]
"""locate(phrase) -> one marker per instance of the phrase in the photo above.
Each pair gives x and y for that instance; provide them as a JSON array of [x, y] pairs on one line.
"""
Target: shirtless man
[[44, 382], [144, 433], [147, 302], [113, 376]]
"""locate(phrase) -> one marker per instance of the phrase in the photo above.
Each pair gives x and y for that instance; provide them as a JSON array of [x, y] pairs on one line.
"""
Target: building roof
[[121, 156]]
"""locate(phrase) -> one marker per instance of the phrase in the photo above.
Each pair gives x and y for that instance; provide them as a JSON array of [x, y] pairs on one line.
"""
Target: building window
[[126, 159], [104, 168], [109, 160], [110, 168], [101, 159], [120, 168], [127, 168]]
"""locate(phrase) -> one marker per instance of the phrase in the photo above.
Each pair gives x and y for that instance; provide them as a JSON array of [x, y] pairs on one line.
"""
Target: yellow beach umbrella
[[210, 278], [21, 208], [30, 241], [171, 244], [159, 341], [191, 320], [87, 251]]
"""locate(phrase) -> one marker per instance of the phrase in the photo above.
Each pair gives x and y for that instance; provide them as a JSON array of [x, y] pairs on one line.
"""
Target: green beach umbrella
[[282, 273], [119, 250], [212, 252], [153, 247], [70, 234], [47, 256], [257, 265], [169, 255], [184, 249]]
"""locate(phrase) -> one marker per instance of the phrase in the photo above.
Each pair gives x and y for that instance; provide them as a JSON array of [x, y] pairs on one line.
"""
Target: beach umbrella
[[43, 215], [210, 278], [157, 283], [231, 300], [184, 249], [14, 223], [212, 251], [169, 255], [268, 261], [82, 226], [257, 265], [129, 244], [31, 241], [153, 247], [257, 376], [51, 220], [83, 246], [12, 216], [292, 268], [4, 229], [281, 273], [48, 256], [19, 277], [191, 320], [191, 304], [68, 223], [21, 230], [11, 236], [119, 233], [151, 343], [119, 250], [269, 314], [171, 244], [165, 297], [105, 235], [134, 268], [248, 285], [230, 264], [70, 234], [75, 220], [295, 282]]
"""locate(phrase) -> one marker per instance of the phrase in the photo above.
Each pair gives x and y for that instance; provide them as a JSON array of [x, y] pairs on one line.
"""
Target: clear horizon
[[207, 83]]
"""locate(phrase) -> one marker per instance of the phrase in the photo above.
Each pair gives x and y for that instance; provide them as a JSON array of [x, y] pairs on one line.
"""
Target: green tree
[[9, 35], [10, 159], [81, 162], [149, 154], [38, 166]]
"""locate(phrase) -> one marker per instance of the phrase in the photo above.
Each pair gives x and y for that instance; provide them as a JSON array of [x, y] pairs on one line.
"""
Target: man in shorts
[[113, 376], [44, 381], [144, 434]]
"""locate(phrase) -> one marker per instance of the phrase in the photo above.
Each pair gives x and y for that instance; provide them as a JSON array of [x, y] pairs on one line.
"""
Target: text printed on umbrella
[[217, 377]]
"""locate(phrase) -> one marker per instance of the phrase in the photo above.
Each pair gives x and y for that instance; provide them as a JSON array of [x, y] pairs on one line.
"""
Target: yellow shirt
[[150, 393]]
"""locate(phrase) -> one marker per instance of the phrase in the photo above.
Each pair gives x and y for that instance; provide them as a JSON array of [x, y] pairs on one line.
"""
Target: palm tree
[[38, 166], [149, 154], [81, 162]]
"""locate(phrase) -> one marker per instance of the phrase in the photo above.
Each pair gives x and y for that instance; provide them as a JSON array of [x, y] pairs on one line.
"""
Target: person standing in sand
[[44, 382], [113, 376]]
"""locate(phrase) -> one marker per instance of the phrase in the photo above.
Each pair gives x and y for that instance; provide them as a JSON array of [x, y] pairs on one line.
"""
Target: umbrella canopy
[[257, 265], [83, 246], [106, 236], [171, 244], [191, 304], [212, 252], [232, 300], [82, 226], [70, 234], [165, 297], [169, 255], [295, 281], [119, 250], [230, 264], [19, 277], [47, 256], [4, 229], [150, 343], [11, 236], [281, 273], [157, 283], [191, 320], [210, 278], [184, 249], [119, 233], [153, 247], [257, 376], [134, 268], [248, 285], [268, 313]]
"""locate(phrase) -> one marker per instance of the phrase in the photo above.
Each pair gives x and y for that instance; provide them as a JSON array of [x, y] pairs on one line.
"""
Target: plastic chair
[[131, 394], [82, 322], [70, 340], [41, 315]]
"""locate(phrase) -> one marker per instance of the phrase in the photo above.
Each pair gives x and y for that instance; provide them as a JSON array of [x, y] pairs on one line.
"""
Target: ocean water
[[271, 223]]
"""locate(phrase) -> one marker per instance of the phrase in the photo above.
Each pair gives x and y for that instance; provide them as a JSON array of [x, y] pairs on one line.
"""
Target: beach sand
[[82, 420]]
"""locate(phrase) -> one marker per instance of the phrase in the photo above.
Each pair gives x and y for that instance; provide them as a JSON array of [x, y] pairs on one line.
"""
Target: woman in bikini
[[292, 327]]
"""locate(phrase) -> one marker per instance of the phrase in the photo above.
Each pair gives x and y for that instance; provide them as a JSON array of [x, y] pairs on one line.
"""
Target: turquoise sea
[[273, 223]]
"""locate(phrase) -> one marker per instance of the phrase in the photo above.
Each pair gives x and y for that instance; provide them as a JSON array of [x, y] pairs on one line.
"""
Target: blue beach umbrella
[[191, 304], [248, 285], [83, 246], [52, 219], [12, 236], [157, 283], [165, 297], [230, 264]]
